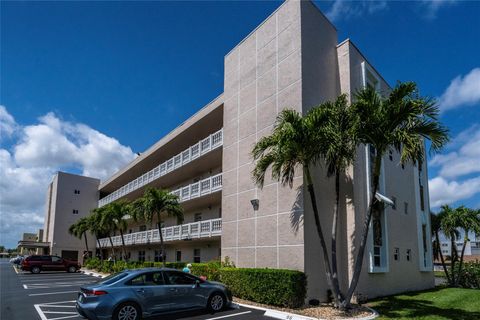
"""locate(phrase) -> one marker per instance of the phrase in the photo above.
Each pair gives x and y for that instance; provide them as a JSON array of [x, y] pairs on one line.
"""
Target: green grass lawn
[[438, 303]]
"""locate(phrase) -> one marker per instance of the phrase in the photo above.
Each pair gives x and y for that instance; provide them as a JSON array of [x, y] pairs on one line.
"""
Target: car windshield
[[112, 278]]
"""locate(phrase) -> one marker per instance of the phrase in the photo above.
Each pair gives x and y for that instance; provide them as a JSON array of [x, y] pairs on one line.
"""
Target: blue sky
[[111, 78]]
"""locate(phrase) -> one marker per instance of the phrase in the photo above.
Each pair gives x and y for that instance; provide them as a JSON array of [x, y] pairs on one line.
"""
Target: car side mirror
[[197, 284]]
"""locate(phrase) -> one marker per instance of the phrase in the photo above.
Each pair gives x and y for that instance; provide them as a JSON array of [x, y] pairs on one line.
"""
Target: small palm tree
[[152, 205], [108, 223], [79, 229], [435, 223], [295, 141], [116, 213], [402, 121], [450, 222], [95, 226]]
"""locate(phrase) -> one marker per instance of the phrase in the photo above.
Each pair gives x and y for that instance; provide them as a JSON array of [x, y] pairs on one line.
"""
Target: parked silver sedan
[[134, 294]]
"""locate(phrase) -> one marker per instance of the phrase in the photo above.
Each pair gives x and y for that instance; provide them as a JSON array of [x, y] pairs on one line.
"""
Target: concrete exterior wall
[[262, 76], [63, 202]]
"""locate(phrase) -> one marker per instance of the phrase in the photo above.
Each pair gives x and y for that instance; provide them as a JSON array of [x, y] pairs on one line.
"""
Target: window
[[396, 253], [75, 211], [56, 259], [377, 236], [141, 255], [390, 155], [196, 255], [405, 207], [420, 183], [158, 256], [394, 199], [178, 256], [76, 191], [113, 278], [180, 278], [425, 246], [409, 254], [198, 217], [142, 228], [444, 244]]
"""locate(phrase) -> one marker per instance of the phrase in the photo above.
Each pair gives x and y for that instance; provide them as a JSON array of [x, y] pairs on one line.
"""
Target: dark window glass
[[46, 258], [179, 278], [56, 259], [113, 278]]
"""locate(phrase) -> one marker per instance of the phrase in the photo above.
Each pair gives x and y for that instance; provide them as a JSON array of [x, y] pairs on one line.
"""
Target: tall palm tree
[[402, 121], [436, 226], [337, 131], [295, 141], [152, 205], [450, 222], [117, 212], [108, 223], [79, 229]]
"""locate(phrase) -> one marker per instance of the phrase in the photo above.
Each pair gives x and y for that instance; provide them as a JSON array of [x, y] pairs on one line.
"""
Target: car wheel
[[35, 270], [72, 269], [127, 311], [216, 302]]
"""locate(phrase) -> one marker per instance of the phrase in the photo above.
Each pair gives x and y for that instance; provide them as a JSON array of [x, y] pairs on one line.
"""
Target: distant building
[[69, 198], [472, 247], [32, 243]]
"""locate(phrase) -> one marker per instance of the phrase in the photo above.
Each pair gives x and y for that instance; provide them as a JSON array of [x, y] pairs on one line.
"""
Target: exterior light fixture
[[255, 204]]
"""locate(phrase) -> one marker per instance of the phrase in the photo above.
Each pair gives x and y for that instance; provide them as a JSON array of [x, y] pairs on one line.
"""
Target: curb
[[92, 273], [292, 316]]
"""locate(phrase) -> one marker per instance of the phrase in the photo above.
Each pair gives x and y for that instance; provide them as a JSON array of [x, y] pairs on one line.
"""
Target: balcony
[[194, 230], [204, 146], [200, 188]]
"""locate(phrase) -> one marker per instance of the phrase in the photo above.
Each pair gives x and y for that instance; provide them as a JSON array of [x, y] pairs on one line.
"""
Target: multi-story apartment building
[[69, 197], [292, 59]]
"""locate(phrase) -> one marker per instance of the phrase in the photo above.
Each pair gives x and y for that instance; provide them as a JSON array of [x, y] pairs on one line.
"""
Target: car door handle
[[173, 289], [141, 290]]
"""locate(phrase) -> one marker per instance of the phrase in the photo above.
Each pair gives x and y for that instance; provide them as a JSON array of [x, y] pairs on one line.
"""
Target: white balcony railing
[[200, 188], [210, 143], [194, 230]]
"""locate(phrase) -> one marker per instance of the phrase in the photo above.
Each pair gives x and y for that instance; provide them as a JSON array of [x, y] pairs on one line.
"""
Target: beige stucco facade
[[69, 198], [291, 60]]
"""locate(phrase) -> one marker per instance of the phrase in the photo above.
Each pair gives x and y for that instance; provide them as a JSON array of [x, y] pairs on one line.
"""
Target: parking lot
[[51, 296]]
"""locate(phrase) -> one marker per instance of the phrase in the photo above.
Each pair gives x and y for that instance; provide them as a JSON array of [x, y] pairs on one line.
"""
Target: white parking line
[[30, 279], [31, 286], [61, 304], [229, 315], [49, 293]]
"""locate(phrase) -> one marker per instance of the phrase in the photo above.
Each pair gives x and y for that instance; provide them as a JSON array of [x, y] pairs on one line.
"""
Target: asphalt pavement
[[51, 296]]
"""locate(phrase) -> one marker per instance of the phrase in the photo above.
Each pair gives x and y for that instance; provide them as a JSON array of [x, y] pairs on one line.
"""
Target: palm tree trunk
[[334, 238], [452, 259], [437, 240], [111, 243], [459, 275], [123, 245], [326, 259], [366, 226], [86, 243], [162, 245]]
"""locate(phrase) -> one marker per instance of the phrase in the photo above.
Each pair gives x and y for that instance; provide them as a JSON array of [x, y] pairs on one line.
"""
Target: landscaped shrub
[[278, 287], [471, 275], [210, 270], [148, 264], [106, 267]]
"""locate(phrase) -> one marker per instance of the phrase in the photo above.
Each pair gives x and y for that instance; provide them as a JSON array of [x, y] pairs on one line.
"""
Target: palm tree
[[402, 121], [435, 223], [295, 141], [450, 222], [117, 212], [468, 220], [108, 223], [152, 205], [79, 229], [95, 226], [337, 130]]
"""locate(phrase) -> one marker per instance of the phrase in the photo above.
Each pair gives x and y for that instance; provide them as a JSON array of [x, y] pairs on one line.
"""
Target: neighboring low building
[[472, 247], [69, 198], [292, 59], [32, 243]]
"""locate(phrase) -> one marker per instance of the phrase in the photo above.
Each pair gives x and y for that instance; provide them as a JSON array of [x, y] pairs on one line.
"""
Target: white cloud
[[7, 123], [465, 159], [445, 192], [342, 9], [461, 160], [462, 91], [432, 7], [41, 150]]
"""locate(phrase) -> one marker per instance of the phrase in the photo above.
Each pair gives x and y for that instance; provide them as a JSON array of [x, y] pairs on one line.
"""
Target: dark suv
[[36, 264]]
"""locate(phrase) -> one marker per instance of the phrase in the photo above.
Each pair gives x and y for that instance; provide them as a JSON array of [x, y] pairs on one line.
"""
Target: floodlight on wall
[[255, 204]]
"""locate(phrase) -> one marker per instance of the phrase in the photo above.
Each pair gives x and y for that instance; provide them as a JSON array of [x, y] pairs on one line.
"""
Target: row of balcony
[[194, 230], [204, 146], [200, 188]]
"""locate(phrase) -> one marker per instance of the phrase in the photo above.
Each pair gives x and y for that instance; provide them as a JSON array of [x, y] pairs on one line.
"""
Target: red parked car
[[37, 264]]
